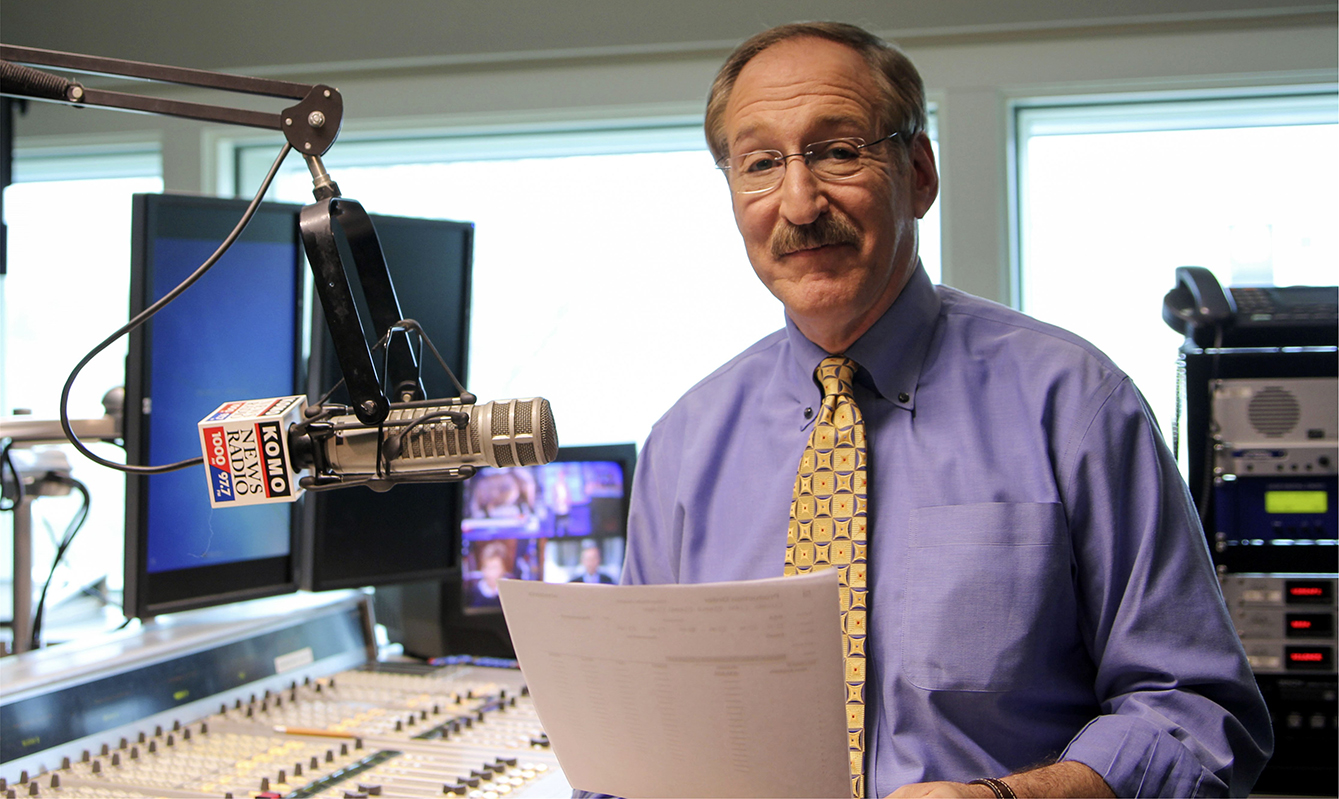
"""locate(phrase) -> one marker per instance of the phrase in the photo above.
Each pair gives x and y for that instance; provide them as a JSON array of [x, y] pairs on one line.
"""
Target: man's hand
[[1067, 779]]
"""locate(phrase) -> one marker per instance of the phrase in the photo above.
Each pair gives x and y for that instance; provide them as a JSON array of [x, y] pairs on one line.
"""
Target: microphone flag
[[245, 447]]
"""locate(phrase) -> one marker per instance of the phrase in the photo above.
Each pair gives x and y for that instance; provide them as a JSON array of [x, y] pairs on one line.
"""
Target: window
[[1112, 198], [68, 287], [608, 273]]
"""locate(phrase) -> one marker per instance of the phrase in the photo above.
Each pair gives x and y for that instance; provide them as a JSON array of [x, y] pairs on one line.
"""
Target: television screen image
[[560, 522]]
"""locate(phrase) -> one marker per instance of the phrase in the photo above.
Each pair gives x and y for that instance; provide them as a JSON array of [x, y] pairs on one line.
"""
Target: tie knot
[[836, 373]]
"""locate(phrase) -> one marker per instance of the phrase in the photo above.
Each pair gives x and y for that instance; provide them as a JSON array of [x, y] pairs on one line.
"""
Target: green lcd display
[[1296, 502]]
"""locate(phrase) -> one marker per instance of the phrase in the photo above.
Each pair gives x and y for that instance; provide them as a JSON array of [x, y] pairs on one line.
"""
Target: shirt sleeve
[[650, 557], [1181, 713]]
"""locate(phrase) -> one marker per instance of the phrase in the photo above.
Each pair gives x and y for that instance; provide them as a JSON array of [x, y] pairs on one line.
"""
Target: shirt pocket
[[982, 582]]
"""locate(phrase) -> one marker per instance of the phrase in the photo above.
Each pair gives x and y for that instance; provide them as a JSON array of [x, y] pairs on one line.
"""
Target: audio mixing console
[[390, 730]]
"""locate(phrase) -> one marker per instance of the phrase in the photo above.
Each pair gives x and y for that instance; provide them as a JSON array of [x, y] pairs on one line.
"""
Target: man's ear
[[924, 174]]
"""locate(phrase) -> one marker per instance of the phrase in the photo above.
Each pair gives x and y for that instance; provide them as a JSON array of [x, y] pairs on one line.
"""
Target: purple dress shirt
[[1040, 586]]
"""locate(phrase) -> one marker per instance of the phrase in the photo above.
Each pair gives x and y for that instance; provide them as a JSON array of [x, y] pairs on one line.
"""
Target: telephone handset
[[1250, 316], [1198, 306]]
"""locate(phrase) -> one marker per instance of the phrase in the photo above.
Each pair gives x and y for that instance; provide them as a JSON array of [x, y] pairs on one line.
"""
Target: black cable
[[391, 447], [381, 342], [76, 524], [144, 316], [6, 461], [1206, 482], [329, 393], [411, 325]]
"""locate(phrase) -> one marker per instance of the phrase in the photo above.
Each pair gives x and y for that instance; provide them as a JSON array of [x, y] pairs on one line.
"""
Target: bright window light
[[66, 290], [1113, 198]]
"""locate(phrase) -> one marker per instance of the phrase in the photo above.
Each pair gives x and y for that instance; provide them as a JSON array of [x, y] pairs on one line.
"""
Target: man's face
[[492, 570], [793, 94], [590, 559]]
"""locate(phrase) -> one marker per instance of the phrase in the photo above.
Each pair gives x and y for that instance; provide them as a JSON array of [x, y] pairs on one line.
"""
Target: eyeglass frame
[[724, 166]]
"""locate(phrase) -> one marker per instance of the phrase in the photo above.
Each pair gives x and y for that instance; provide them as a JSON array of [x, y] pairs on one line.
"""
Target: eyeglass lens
[[835, 159]]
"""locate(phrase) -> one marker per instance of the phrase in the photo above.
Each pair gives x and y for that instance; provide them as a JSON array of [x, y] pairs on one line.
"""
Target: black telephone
[[1250, 316]]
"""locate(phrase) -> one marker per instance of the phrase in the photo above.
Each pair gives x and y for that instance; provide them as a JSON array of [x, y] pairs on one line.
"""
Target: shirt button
[[808, 413], [903, 397]]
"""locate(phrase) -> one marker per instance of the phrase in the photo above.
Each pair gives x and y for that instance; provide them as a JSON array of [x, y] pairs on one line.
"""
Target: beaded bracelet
[[1000, 788]]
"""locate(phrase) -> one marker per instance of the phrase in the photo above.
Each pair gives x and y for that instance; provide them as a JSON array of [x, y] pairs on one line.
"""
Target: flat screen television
[[354, 537], [563, 521], [236, 334]]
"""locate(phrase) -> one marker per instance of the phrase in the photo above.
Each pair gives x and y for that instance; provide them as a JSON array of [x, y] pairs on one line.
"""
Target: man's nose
[[802, 197]]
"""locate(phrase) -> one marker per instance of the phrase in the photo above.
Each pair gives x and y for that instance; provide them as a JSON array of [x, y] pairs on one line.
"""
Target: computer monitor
[[234, 335], [355, 536], [238, 334]]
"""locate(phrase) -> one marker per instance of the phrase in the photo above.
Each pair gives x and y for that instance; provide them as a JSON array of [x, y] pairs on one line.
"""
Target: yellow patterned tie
[[827, 528]]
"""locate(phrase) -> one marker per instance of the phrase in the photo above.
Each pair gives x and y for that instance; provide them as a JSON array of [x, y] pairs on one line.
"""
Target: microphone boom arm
[[318, 222], [310, 127]]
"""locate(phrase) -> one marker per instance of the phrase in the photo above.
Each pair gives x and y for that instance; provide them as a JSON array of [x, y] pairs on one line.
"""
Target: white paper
[[723, 689]]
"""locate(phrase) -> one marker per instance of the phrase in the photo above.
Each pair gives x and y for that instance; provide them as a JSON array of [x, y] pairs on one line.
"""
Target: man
[[590, 567], [1042, 614], [483, 592]]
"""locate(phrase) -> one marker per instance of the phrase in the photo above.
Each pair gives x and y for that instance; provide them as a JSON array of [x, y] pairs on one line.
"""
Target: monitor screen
[[234, 335], [562, 522], [355, 536]]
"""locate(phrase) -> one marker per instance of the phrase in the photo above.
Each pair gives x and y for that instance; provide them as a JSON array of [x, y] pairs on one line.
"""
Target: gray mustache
[[826, 230]]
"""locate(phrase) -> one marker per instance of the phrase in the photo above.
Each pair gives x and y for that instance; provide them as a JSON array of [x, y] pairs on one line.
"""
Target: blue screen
[[229, 337]]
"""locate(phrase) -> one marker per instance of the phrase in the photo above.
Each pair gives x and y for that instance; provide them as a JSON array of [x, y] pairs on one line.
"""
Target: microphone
[[423, 442], [257, 451]]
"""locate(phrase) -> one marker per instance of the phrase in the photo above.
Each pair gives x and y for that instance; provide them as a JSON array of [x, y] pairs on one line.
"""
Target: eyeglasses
[[762, 170]]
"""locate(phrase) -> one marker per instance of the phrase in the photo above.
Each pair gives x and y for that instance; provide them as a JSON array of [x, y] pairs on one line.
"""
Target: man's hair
[[902, 104], [493, 550]]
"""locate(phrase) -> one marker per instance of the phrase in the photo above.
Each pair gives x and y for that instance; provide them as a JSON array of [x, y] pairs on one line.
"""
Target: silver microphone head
[[521, 432], [518, 432]]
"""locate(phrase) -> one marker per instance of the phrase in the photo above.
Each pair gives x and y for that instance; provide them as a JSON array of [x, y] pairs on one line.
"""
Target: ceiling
[[264, 36]]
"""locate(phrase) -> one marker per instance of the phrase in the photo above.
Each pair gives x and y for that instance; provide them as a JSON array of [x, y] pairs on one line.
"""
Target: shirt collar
[[891, 352]]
